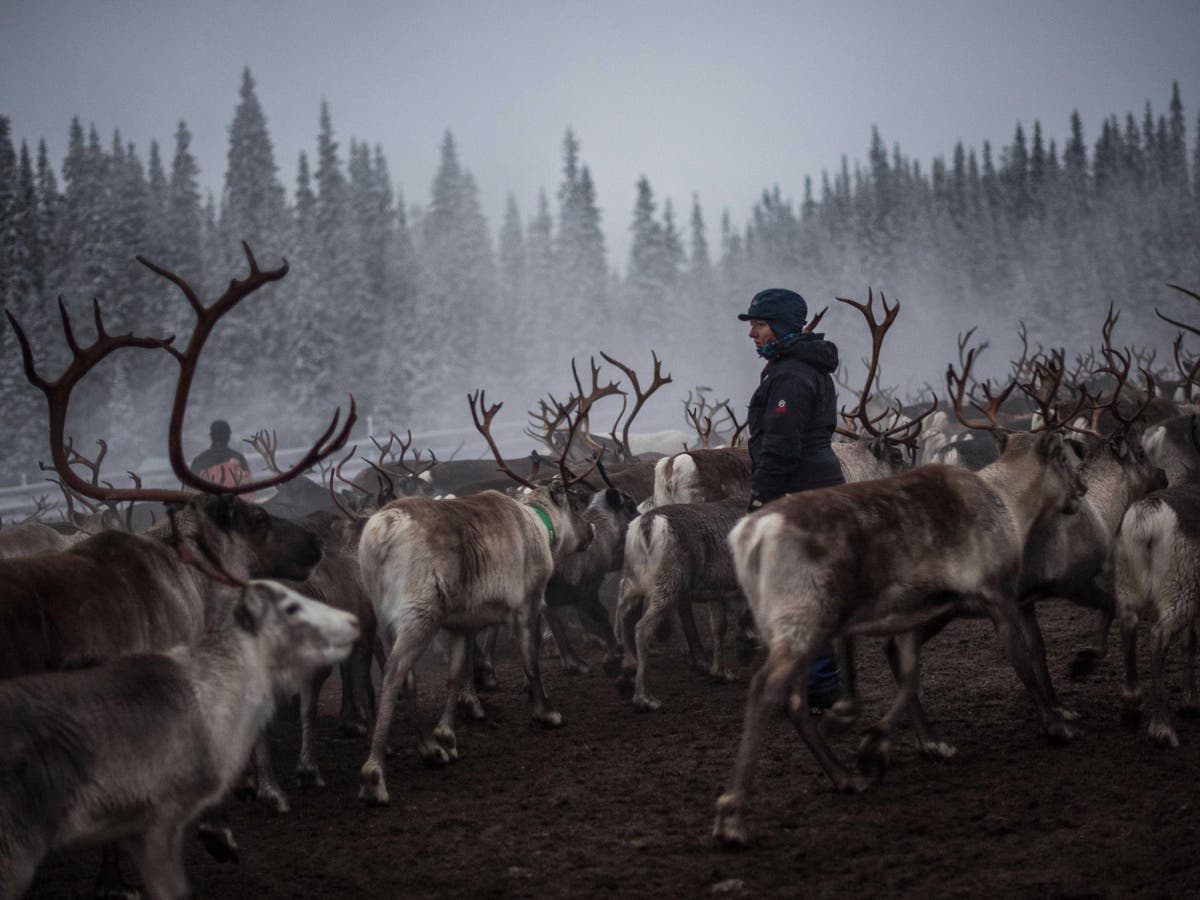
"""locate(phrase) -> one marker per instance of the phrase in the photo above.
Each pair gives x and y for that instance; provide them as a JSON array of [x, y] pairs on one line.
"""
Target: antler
[[1121, 374], [956, 386], [206, 318], [657, 381], [878, 332], [58, 395], [266, 443], [484, 427]]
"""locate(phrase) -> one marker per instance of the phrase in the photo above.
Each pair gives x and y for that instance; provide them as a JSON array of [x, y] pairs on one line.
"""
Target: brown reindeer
[[881, 557]]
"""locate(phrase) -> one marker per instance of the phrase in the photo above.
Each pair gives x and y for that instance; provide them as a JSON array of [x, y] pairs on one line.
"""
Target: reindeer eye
[[292, 608]]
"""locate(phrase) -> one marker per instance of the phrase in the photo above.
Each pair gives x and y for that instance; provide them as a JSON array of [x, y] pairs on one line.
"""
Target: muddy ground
[[620, 803]]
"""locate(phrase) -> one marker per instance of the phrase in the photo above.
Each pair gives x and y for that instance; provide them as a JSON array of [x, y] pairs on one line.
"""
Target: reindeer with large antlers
[[115, 592], [463, 564], [884, 557]]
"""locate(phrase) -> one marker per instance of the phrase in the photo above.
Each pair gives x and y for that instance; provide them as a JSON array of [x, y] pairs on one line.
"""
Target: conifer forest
[[409, 300]]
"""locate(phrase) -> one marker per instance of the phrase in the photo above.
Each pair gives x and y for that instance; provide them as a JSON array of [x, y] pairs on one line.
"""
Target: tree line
[[411, 304]]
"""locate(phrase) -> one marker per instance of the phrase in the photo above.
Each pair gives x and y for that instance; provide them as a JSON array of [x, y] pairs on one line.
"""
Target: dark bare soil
[[620, 803]]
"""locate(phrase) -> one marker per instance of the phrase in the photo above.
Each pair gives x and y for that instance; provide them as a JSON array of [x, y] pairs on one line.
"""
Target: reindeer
[[1158, 566], [882, 557], [117, 593], [463, 564], [676, 555], [134, 749]]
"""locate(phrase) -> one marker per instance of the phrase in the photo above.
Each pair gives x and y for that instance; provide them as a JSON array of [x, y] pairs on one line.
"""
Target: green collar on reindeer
[[545, 517]]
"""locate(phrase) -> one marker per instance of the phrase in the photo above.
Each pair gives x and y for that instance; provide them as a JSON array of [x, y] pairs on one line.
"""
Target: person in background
[[791, 422], [220, 463]]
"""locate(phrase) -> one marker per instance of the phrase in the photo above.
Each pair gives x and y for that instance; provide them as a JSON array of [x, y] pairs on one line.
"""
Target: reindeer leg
[[307, 773], [658, 608], [630, 604], [1032, 633], [1002, 609], [718, 620], [927, 742], [571, 662], [158, 855], [468, 699], [845, 711], [1161, 730], [904, 657], [695, 646], [1131, 692], [409, 644], [528, 628], [485, 659], [443, 733], [1101, 597], [269, 792], [594, 618], [110, 883]]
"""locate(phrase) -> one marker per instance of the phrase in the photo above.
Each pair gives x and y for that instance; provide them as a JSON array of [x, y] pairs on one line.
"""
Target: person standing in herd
[[220, 463], [791, 421]]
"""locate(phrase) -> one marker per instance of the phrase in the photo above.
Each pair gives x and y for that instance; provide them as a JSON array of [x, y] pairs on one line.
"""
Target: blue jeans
[[823, 672]]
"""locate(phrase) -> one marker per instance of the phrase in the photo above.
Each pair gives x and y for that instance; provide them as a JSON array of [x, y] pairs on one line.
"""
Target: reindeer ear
[[221, 509], [1001, 438], [612, 497], [558, 493]]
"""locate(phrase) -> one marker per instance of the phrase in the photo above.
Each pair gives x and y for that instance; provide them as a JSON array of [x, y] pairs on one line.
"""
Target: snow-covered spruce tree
[[516, 317], [253, 208], [457, 296], [20, 444], [581, 305]]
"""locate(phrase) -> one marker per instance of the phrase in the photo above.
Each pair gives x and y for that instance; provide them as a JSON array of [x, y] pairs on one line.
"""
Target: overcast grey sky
[[718, 99]]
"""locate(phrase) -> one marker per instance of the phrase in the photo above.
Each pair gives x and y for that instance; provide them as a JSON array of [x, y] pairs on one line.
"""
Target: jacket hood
[[812, 349]]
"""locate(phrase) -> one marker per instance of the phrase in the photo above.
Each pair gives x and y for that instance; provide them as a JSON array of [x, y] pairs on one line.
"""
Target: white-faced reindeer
[[462, 564], [135, 749], [882, 557]]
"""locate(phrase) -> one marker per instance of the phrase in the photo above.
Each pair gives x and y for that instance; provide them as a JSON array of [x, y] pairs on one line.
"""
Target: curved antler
[[206, 319], [58, 395]]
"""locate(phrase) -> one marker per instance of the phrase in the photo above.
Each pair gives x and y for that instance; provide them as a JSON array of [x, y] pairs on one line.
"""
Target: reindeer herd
[[140, 667]]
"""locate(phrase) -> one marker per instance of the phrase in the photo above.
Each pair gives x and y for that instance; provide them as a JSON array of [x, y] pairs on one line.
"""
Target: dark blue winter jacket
[[791, 420]]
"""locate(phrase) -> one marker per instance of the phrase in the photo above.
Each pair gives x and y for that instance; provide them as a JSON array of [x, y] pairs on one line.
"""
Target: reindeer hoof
[[1066, 714], [1082, 665], [472, 708], [275, 802], [938, 749], [729, 830], [576, 668], [646, 703], [447, 741], [434, 754], [1061, 732], [1163, 735], [373, 791], [219, 842], [353, 729], [841, 715], [549, 719], [308, 777]]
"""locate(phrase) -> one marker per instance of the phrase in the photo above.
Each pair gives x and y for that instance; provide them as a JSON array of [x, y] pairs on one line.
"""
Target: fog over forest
[[410, 300]]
